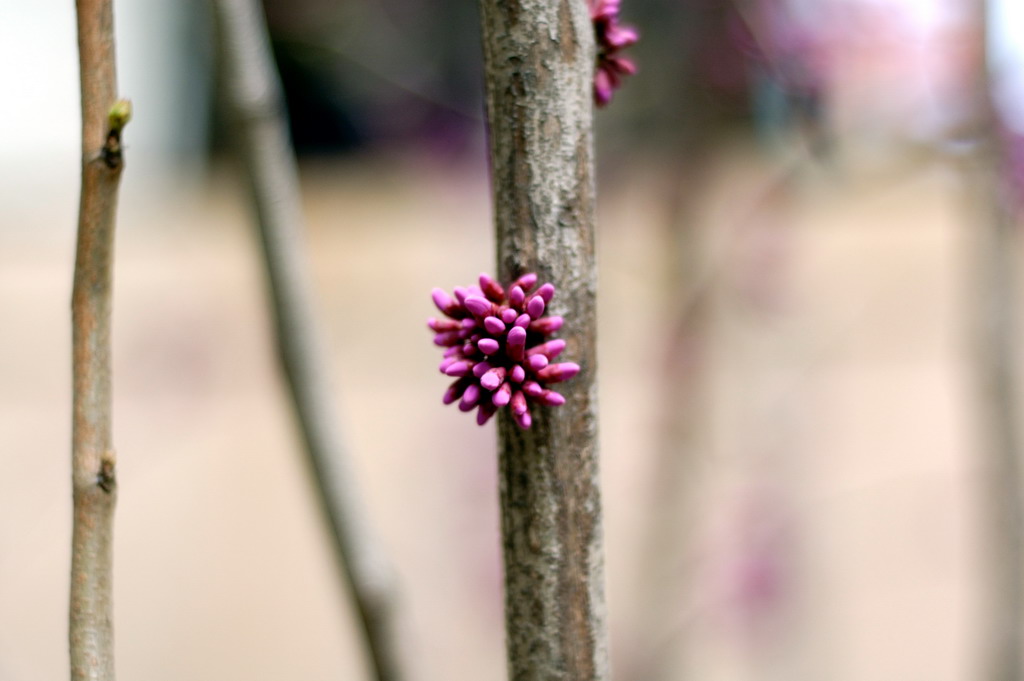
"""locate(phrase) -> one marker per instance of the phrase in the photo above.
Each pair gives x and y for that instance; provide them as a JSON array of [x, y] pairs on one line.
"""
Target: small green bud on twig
[[120, 114]]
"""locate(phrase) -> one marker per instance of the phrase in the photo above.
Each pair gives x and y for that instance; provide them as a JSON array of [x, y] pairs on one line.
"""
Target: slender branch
[[996, 317], [255, 96], [94, 487], [997, 345], [539, 61]]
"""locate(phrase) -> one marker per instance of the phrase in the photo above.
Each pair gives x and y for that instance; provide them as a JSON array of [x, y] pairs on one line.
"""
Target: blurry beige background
[[849, 402], [831, 526]]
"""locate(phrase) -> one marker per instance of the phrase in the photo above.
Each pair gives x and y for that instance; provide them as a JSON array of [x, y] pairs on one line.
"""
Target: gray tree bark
[[539, 64], [94, 489], [255, 96]]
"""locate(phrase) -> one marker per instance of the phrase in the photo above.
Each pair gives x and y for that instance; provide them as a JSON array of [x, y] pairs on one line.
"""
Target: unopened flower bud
[[553, 373], [491, 289], [550, 398], [537, 362], [551, 349], [526, 281], [488, 346], [546, 292], [481, 307], [455, 391], [460, 368], [494, 325], [493, 377], [546, 325], [518, 402], [470, 397], [502, 395], [516, 296]]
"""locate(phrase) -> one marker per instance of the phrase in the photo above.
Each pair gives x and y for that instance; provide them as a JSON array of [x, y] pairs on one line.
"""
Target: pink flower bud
[[488, 346], [502, 395], [470, 397], [532, 388], [551, 349], [604, 86], [546, 325], [491, 289], [443, 302], [494, 325], [526, 281], [553, 373], [536, 362], [481, 307], [440, 325], [535, 308], [620, 37], [515, 343], [455, 391], [518, 402], [546, 292], [492, 378], [550, 398], [448, 338], [485, 412], [523, 420], [460, 368]]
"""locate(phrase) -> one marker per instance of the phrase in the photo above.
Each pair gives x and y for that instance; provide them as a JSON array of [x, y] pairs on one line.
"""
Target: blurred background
[[796, 203]]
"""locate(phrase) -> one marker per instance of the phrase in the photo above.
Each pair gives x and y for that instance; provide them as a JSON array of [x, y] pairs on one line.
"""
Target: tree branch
[[996, 277], [255, 97], [94, 486], [539, 64]]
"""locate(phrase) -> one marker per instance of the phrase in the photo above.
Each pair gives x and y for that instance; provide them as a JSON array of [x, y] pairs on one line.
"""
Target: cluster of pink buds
[[497, 347], [611, 38]]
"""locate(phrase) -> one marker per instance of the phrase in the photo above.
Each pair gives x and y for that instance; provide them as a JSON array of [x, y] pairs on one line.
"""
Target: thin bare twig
[[255, 96], [539, 61], [996, 276], [90, 629]]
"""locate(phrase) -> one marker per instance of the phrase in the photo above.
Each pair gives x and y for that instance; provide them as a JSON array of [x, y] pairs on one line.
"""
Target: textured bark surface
[[539, 61], [90, 629], [255, 96]]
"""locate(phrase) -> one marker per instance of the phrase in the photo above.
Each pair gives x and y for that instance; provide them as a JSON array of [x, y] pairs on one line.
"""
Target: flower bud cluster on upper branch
[[611, 38]]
